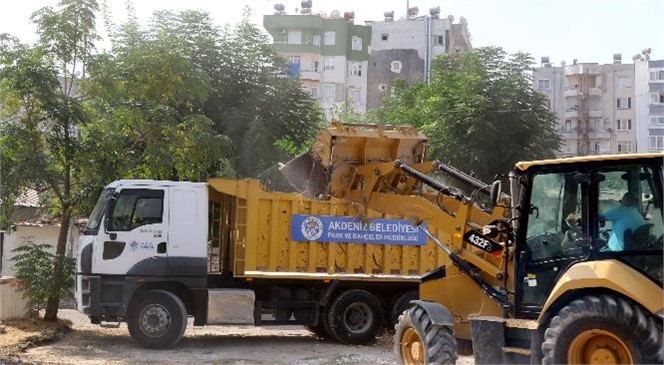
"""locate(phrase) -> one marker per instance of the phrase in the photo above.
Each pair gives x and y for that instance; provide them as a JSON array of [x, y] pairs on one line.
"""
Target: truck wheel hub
[[358, 317], [155, 320]]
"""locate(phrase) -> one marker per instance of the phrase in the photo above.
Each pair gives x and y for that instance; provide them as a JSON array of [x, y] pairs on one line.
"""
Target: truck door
[[135, 236], [188, 222]]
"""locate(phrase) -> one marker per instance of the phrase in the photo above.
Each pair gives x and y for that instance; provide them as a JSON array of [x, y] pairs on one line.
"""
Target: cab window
[[137, 207]]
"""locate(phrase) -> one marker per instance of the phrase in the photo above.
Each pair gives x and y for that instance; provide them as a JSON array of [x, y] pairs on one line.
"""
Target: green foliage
[[36, 267], [479, 112], [216, 97]]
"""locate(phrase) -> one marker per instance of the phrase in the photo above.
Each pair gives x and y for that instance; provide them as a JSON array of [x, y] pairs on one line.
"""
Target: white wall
[[642, 99], [407, 34], [37, 235]]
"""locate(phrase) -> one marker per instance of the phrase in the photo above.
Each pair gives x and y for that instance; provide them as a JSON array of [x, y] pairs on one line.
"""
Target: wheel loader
[[549, 273]]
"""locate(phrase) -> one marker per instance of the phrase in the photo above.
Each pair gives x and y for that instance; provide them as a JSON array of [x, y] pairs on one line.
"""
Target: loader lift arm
[[384, 169]]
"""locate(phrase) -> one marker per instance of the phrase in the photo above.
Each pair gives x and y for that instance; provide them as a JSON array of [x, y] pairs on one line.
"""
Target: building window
[[624, 147], [568, 126], [356, 43], [314, 93], [330, 38], [316, 40], [543, 84], [294, 37], [293, 59], [598, 148], [329, 91], [657, 119], [656, 98], [657, 75], [314, 66], [356, 68], [382, 87], [328, 63], [624, 103], [623, 82], [656, 143], [393, 90], [439, 40], [624, 124], [395, 66], [384, 37]]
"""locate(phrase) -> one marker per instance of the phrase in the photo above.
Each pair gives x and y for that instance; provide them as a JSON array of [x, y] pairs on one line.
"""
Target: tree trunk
[[54, 300]]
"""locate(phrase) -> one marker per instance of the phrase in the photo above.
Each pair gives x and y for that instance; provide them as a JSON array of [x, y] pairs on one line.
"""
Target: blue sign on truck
[[326, 228]]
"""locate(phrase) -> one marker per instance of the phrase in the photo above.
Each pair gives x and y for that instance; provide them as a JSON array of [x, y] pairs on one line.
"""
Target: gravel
[[233, 345]]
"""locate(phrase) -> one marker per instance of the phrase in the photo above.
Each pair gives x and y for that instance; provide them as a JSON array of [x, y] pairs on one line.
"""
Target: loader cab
[[574, 210]]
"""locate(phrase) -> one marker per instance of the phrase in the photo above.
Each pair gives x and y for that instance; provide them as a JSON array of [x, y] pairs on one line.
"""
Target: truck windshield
[[95, 217]]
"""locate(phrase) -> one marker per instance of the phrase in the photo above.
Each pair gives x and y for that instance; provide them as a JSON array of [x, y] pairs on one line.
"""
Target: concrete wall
[[12, 303], [412, 70]]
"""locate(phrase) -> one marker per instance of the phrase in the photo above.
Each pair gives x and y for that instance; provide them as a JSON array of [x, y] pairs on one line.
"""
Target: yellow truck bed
[[256, 233]]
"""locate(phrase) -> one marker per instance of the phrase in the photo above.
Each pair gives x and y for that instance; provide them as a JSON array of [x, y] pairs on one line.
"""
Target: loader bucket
[[307, 175], [327, 167]]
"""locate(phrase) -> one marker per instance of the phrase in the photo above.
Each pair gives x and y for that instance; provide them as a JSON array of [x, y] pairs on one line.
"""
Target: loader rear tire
[[157, 319], [601, 328], [418, 341], [355, 317]]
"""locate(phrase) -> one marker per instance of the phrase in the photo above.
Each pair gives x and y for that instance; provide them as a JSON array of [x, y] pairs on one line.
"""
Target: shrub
[[36, 267]]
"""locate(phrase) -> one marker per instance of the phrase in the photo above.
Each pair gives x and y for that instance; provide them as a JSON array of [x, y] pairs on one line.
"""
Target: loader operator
[[625, 217]]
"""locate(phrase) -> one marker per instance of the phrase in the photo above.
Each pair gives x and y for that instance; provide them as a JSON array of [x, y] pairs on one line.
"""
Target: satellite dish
[[335, 14]]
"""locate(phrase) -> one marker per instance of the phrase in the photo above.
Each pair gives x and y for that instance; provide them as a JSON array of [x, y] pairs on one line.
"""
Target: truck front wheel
[[355, 317], [156, 319], [418, 341], [602, 329]]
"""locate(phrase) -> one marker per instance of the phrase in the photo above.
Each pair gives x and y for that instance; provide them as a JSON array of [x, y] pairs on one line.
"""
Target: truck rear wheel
[[400, 305], [602, 329], [418, 341], [355, 317], [157, 319]]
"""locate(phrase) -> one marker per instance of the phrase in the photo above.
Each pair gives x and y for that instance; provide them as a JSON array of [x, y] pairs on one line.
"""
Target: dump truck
[[541, 285], [230, 251]]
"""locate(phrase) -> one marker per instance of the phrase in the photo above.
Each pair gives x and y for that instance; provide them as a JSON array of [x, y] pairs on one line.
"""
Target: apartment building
[[649, 96], [595, 105], [327, 52], [404, 49]]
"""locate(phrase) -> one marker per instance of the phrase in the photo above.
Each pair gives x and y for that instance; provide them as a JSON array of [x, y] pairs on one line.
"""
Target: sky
[[563, 30]]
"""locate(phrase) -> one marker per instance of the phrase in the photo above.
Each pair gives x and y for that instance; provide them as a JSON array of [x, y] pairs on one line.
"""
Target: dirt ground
[[234, 345]]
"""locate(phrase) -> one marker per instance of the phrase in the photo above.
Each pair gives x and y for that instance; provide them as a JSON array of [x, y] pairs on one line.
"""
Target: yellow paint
[[257, 238], [608, 274], [525, 165]]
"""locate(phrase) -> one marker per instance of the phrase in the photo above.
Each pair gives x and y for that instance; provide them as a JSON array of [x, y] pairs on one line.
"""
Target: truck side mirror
[[111, 199], [496, 188]]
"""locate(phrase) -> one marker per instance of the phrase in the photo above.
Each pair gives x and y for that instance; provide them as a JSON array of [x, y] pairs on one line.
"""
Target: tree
[[43, 113], [479, 112], [183, 67]]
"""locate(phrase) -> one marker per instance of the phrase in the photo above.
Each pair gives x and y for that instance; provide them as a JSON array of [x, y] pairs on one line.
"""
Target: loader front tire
[[602, 329], [420, 342], [156, 319]]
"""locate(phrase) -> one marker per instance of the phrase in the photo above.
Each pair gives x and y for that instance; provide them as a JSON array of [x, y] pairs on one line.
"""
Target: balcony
[[310, 75], [595, 91], [579, 69], [572, 112], [571, 92], [595, 113]]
